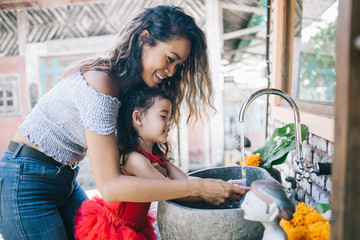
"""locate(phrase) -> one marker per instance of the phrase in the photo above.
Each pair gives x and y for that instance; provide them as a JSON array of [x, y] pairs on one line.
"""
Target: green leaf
[[275, 151], [322, 208]]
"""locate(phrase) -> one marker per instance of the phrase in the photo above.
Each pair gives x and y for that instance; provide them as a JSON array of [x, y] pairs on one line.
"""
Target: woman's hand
[[160, 169], [217, 191]]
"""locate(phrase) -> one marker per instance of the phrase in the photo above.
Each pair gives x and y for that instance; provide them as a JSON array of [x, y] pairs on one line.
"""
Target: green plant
[[323, 208], [282, 141]]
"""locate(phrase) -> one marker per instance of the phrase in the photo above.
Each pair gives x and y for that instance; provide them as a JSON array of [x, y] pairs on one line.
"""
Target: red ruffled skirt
[[100, 220]]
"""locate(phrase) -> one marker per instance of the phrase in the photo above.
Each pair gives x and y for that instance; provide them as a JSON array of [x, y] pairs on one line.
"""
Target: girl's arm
[[174, 172], [160, 169]]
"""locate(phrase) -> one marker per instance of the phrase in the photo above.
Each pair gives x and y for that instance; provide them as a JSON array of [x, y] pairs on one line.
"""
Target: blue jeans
[[37, 200]]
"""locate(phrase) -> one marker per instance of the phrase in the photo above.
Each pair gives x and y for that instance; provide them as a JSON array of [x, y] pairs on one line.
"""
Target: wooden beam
[[243, 8], [244, 58], [243, 49], [243, 32], [345, 202], [249, 37], [11, 5], [21, 4]]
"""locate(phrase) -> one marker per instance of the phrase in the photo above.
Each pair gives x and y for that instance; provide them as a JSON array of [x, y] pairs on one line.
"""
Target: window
[[9, 102], [313, 69], [303, 63]]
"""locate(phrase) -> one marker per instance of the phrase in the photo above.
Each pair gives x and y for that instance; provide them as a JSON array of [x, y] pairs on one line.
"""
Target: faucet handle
[[301, 173], [300, 177]]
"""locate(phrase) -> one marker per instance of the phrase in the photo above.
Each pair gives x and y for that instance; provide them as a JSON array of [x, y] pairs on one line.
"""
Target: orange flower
[[253, 160], [306, 224], [319, 231], [314, 217], [286, 225], [298, 233]]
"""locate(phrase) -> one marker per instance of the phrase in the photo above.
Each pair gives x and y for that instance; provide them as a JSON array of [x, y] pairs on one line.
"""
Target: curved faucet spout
[[299, 159]]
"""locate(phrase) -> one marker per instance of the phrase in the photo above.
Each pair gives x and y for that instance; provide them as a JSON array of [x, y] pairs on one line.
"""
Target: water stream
[[242, 151]]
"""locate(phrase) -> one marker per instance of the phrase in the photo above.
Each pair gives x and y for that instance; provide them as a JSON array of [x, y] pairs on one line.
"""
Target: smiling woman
[[162, 60]]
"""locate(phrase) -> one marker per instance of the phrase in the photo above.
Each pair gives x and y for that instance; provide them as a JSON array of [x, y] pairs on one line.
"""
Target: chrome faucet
[[301, 170]]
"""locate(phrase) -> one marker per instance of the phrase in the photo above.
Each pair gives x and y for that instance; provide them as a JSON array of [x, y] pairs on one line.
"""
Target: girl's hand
[[160, 169], [239, 182], [217, 191]]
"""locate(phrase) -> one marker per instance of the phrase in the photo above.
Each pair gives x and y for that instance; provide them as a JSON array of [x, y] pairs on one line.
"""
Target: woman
[[161, 47]]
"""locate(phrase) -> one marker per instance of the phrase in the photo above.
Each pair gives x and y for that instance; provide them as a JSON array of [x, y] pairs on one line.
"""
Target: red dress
[[97, 219]]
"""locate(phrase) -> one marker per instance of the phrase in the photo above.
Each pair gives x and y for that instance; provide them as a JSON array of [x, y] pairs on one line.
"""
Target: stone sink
[[201, 220]]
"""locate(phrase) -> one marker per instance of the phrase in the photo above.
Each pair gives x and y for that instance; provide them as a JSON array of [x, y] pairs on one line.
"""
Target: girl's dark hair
[[141, 100], [164, 23]]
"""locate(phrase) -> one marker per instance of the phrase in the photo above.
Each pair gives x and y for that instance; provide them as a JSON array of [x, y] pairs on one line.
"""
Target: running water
[[242, 152]]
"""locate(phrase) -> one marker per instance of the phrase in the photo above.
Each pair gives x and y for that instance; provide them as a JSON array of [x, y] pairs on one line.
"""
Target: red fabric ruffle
[[99, 220]]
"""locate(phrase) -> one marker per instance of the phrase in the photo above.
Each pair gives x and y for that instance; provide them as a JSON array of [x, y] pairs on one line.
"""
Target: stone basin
[[201, 220]]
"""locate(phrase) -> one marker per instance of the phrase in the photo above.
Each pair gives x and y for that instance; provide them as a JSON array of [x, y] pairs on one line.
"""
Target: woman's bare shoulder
[[102, 82]]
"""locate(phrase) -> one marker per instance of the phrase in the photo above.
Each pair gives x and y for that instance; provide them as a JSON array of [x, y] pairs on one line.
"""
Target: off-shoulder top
[[57, 122]]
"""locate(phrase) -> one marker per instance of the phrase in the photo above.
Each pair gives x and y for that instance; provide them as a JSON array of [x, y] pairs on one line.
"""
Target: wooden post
[[214, 40], [345, 200], [277, 44], [21, 24], [281, 39]]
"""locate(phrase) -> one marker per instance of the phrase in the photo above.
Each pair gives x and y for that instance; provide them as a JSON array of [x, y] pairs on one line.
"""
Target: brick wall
[[315, 150]]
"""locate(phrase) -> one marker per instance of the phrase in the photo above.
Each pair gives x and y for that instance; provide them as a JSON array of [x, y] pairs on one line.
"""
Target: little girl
[[143, 128]]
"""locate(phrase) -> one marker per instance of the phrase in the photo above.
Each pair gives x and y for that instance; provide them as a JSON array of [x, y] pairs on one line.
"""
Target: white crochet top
[[57, 122]]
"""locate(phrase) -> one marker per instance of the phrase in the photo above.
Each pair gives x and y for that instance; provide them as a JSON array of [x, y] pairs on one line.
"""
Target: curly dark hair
[[164, 23], [141, 100]]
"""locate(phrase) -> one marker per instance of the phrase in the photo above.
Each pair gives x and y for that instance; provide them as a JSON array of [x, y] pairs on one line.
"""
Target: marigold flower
[[314, 217], [253, 160], [306, 224], [298, 233], [319, 231], [286, 225]]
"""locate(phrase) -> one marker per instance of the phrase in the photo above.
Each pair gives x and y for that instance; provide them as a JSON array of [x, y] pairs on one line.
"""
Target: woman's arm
[[176, 173], [114, 186]]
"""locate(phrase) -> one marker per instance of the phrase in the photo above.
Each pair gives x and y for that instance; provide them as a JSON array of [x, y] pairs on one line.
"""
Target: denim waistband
[[27, 151]]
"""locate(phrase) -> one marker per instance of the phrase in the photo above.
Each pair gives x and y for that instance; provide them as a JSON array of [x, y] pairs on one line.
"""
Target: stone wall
[[315, 150]]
